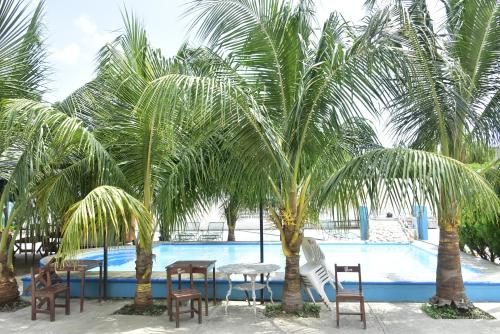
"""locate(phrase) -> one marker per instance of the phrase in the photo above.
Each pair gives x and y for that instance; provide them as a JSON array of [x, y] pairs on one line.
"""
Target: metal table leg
[[228, 276], [252, 277], [245, 291], [269, 288]]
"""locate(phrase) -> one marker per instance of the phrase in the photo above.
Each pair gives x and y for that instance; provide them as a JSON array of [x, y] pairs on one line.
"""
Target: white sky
[[76, 29]]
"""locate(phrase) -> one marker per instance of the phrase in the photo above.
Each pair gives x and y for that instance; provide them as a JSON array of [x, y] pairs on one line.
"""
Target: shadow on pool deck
[[381, 318]]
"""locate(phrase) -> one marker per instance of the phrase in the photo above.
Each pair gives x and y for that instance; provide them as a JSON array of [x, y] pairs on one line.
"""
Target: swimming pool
[[391, 272], [379, 262]]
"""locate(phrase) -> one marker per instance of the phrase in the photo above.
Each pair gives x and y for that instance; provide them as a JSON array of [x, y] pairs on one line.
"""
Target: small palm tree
[[448, 102]]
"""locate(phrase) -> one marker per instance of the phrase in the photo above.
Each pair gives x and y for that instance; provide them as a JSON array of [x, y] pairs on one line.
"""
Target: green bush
[[481, 238], [479, 233]]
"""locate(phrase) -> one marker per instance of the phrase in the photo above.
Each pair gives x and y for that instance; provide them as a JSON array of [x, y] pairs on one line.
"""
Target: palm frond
[[105, 212], [22, 54], [403, 178]]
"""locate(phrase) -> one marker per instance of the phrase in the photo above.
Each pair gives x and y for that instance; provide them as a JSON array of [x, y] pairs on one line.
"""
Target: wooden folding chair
[[350, 295], [179, 295]]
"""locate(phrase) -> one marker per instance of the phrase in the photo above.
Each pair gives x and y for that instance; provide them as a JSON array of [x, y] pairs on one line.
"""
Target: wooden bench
[[47, 293]]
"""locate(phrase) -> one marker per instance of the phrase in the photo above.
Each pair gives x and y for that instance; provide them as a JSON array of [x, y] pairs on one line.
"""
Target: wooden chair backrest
[[179, 270], [348, 269], [43, 276]]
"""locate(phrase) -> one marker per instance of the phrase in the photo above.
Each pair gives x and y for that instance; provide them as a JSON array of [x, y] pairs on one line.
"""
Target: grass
[[130, 309], [310, 310], [451, 312], [14, 305]]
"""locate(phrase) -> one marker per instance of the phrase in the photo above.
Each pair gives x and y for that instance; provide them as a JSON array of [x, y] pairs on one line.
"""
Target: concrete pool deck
[[381, 318]]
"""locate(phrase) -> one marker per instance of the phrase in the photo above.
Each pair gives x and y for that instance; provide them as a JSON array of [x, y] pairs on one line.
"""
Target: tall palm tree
[[293, 101], [22, 74], [164, 154], [100, 148], [448, 102]]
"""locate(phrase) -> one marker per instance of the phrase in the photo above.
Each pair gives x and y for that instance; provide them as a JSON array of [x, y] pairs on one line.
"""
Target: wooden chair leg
[[176, 313], [191, 302], [200, 311], [337, 312], [52, 302], [33, 307], [169, 309], [67, 304], [364, 313]]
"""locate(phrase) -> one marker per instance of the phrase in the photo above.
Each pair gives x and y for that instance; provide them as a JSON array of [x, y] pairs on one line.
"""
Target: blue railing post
[[363, 222], [422, 222]]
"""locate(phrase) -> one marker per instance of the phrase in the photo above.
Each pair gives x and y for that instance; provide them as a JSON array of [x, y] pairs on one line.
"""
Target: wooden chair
[[47, 292], [350, 296], [179, 295]]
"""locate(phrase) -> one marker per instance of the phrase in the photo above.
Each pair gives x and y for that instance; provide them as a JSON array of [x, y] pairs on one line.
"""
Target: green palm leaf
[[404, 178], [22, 54]]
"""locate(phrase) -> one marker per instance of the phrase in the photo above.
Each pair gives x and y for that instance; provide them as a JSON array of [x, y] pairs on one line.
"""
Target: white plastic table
[[252, 270]]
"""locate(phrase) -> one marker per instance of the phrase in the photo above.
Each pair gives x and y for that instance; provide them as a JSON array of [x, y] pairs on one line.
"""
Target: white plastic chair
[[315, 273]]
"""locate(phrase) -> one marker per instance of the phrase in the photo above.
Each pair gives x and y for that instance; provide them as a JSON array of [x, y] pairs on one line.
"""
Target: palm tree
[[100, 148], [105, 213], [293, 101], [164, 154], [48, 155], [139, 144], [22, 74], [448, 102]]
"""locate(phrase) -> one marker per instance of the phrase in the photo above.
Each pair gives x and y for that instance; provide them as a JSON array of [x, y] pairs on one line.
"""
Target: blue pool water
[[379, 262]]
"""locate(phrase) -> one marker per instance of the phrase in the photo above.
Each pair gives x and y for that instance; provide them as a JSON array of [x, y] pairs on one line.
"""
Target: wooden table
[[82, 266], [200, 267]]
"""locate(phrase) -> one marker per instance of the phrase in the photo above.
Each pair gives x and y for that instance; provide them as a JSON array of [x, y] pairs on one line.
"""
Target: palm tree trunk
[[230, 231], [8, 284], [143, 268], [450, 288], [292, 296], [231, 213], [291, 236], [231, 226]]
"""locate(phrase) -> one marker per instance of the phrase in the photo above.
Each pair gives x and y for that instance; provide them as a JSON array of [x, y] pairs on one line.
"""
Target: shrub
[[479, 233]]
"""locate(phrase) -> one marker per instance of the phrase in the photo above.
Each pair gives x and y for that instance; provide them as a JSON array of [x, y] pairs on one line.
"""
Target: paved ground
[[382, 318]]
